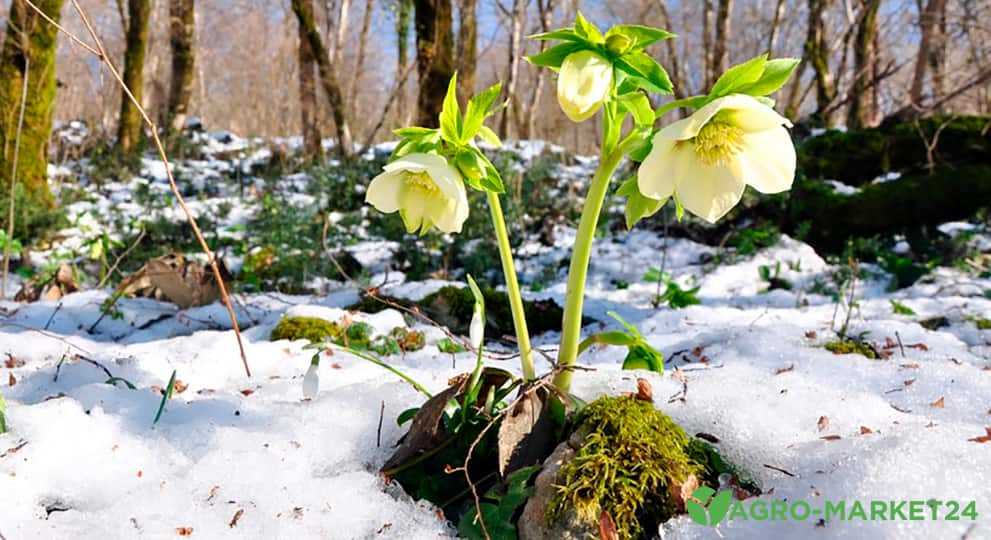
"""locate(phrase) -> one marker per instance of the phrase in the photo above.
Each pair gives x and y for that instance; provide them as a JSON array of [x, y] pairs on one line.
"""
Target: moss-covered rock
[[452, 307], [631, 461], [313, 329], [857, 157]]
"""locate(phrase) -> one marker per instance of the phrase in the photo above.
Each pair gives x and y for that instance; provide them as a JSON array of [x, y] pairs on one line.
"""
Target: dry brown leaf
[[910, 366], [830, 437], [184, 531], [811, 334], [607, 527], [247, 392], [236, 518], [683, 492], [179, 387], [524, 435], [789, 367], [864, 430], [939, 403], [908, 382], [823, 423], [11, 380], [983, 438], [644, 390], [12, 362]]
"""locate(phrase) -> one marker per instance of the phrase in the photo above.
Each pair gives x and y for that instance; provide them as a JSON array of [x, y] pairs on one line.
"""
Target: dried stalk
[[101, 53]]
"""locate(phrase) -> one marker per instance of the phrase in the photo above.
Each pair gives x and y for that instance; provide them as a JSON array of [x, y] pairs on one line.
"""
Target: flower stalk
[[512, 287]]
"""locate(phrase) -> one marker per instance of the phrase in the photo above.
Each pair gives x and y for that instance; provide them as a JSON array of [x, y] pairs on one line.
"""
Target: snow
[[239, 457]]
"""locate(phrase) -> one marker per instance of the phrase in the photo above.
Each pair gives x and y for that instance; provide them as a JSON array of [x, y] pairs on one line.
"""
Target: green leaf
[[638, 105], [477, 294], [489, 136], [407, 415], [647, 73], [563, 34], [739, 76], [901, 309], [3, 415], [587, 30], [414, 132], [613, 337], [493, 183], [693, 102], [479, 108], [643, 356], [638, 206], [554, 56], [450, 114], [776, 74], [166, 396], [471, 164], [642, 36]]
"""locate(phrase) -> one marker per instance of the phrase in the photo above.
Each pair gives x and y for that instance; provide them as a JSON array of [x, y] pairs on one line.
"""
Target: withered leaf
[[525, 433], [939, 403], [644, 390], [786, 369], [982, 438], [823, 423], [425, 431], [607, 527], [830, 437], [864, 430]]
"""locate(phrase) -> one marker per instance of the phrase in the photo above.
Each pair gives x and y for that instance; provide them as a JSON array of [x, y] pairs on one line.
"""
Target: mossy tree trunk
[[308, 95], [817, 55], [129, 126], [434, 57], [182, 29], [328, 74], [863, 110], [28, 51]]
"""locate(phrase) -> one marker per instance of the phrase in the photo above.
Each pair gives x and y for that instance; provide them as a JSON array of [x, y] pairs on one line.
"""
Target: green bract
[[623, 45], [455, 138]]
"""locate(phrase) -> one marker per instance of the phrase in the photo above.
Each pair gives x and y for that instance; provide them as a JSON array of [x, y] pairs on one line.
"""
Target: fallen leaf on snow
[[236, 518], [823, 423], [864, 430], [184, 531], [938, 404], [982, 438], [779, 371], [830, 437]]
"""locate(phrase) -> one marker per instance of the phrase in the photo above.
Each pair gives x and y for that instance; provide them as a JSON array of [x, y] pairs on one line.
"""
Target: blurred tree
[[404, 9], [932, 51], [515, 17], [129, 126], [817, 56], [359, 63], [467, 45], [328, 74], [434, 57], [28, 52], [863, 107], [308, 94], [720, 52], [182, 29]]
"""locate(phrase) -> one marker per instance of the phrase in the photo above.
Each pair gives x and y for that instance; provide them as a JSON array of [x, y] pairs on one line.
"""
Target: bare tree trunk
[[779, 15], [862, 112], [720, 54], [513, 67], [405, 9], [672, 52], [929, 20], [308, 95], [29, 49], [182, 28], [467, 48], [359, 63], [342, 31], [434, 57], [817, 55], [707, 44], [129, 126], [545, 8], [937, 58], [328, 76]]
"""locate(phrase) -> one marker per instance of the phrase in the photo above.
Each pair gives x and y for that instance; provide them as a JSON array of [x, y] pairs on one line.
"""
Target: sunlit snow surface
[[90, 464]]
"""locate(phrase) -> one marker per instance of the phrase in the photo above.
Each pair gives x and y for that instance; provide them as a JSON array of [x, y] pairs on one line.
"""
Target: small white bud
[[311, 381], [476, 332]]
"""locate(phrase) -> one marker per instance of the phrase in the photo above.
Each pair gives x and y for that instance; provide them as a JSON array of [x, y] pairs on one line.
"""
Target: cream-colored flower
[[425, 189], [583, 84], [707, 159]]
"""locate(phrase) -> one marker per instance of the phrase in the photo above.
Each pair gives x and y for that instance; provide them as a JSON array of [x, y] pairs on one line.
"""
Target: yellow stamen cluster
[[421, 181], [717, 143]]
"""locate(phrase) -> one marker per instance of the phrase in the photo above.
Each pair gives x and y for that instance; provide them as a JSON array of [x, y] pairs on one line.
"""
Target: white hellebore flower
[[476, 331], [583, 84], [426, 191], [311, 381], [707, 159]]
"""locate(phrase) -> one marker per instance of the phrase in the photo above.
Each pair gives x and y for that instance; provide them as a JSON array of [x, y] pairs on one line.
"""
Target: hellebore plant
[[702, 163]]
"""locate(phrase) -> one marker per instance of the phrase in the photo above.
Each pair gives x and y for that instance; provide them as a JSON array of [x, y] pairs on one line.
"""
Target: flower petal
[[383, 192], [415, 162], [711, 192], [749, 114], [768, 160], [656, 177], [414, 203], [447, 178]]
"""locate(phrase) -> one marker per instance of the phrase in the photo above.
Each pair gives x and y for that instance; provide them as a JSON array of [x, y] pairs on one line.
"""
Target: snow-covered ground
[[248, 457]]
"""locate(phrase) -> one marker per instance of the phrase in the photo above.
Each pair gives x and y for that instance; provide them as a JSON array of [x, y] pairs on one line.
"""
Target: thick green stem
[[571, 327], [512, 287]]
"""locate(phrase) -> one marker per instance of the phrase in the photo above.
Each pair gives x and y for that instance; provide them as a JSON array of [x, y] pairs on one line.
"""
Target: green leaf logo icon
[[705, 509]]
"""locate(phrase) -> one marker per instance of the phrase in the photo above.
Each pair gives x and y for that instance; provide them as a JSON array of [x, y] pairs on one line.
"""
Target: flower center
[[421, 181], [717, 142]]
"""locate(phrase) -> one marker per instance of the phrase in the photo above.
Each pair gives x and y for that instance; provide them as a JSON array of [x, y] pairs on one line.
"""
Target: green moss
[[310, 328], [851, 346], [982, 323], [631, 456]]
